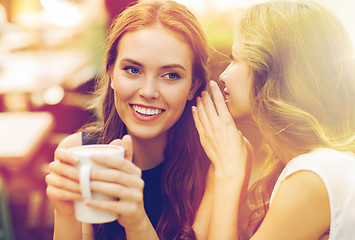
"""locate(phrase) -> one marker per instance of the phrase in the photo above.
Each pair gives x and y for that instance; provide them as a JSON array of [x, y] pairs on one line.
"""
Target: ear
[[195, 85], [111, 82], [110, 74]]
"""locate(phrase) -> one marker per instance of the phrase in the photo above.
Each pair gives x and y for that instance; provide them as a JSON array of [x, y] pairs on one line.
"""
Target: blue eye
[[172, 76], [131, 70]]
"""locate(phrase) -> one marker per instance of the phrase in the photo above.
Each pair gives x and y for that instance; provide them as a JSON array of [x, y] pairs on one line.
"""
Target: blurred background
[[50, 53]]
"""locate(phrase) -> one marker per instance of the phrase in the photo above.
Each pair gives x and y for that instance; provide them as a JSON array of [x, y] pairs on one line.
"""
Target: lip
[[146, 113], [226, 94], [226, 91]]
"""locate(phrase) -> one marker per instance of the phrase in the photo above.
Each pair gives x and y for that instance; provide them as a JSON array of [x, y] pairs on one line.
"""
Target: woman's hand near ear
[[229, 152], [222, 141]]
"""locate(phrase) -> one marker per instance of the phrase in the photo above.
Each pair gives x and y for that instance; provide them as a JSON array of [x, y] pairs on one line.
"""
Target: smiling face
[[236, 78], [152, 80]]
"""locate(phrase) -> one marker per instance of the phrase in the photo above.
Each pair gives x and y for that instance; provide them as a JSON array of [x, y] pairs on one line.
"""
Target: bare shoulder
[[300, 209], [72, 140]]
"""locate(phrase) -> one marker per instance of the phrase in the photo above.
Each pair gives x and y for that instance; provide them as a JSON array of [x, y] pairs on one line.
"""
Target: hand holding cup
[[84, 213]]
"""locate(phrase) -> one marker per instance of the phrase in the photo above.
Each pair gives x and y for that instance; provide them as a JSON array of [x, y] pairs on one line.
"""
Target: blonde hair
[[303, 81]]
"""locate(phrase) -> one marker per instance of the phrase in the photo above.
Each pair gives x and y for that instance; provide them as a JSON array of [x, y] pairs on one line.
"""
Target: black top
[[152, 197], [152, 194]]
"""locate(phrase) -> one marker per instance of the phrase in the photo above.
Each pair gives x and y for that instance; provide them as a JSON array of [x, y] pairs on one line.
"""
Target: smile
[[146, 110]]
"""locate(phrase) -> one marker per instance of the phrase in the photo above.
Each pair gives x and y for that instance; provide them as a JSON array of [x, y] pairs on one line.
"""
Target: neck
[[148, 153], [250, 131]]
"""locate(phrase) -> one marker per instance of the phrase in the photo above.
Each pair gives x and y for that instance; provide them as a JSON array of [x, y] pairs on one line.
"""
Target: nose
[[149, 88], [223, 75]]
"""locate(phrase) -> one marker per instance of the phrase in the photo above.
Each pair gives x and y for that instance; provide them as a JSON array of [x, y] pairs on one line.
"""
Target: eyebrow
[[169, 66], [173, 66], [131, 61]]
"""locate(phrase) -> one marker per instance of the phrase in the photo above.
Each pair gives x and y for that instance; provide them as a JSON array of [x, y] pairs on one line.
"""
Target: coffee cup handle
[[84, 180]]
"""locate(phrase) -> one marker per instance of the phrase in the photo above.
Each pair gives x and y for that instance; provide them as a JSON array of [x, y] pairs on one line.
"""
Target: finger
[[62, 183], [128, 146], [116, 190], [117, 177], [209, 108], [219, 101], [122, 208], [203, 133], [197, 121], [57, 193], [116, 142], [118, 163], [64, 170], [202, 115], [63, 155]]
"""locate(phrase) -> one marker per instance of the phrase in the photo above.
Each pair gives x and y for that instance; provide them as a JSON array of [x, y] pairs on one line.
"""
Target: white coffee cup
[[84, 213]]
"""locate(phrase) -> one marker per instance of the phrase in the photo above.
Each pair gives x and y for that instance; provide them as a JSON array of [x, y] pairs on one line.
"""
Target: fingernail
[[213, 83], [198, 99], [203, 93], [193, 108]]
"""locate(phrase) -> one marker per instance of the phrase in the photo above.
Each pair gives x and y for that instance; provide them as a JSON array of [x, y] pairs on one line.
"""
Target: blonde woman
[[293, 69]]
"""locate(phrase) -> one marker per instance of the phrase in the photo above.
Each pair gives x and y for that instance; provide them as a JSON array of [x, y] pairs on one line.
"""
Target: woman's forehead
[[155, 44]]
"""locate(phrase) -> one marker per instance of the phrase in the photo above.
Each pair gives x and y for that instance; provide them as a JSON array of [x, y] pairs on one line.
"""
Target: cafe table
[[31, 72], [21, 135], [36, 70]]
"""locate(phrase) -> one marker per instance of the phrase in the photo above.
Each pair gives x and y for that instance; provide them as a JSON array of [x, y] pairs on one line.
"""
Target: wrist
[[228, 184], [66, 226], [139, 226], [232, 169], [225, 176], [64, 216], [141, 230]]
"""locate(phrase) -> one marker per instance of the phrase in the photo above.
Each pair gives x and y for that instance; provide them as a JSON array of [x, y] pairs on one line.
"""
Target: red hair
[[186, 165]]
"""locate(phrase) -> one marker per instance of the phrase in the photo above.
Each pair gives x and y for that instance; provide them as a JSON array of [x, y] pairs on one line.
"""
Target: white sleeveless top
[[337, 171]]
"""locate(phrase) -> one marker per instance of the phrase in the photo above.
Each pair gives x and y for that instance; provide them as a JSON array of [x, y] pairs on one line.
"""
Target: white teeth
[[146, 111], [227, 98]]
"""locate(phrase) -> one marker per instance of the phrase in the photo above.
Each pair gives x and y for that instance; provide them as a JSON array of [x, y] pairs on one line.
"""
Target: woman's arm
[[299, 210], [203, 215], [66, 227], [228, 151], [229, 196], [63, 188]]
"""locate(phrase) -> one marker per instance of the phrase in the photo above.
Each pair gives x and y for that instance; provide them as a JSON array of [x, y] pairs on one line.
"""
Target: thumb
[[128, 146], [116, 142]]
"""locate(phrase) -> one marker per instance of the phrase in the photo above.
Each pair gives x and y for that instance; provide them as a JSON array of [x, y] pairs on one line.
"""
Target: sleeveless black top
[[152, 197]]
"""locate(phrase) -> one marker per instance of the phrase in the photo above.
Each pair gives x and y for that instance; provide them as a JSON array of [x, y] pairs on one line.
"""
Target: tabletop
[[21, 134], [37, 70]]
